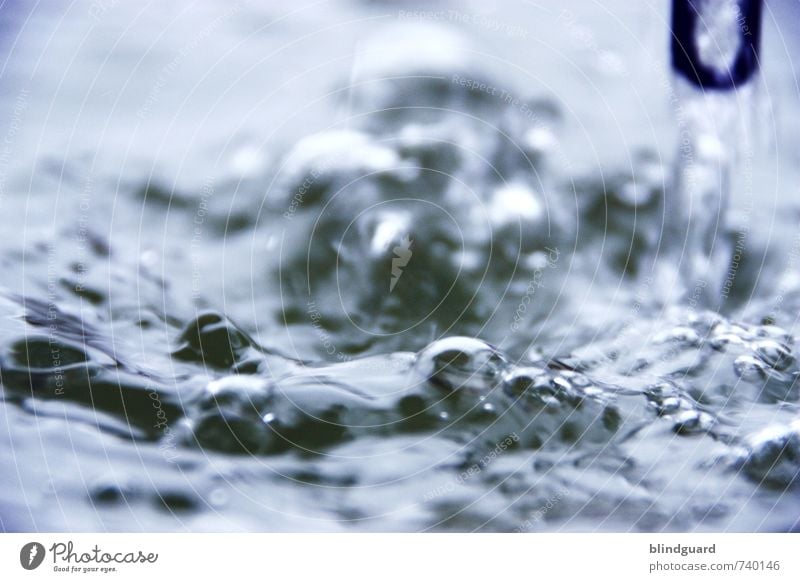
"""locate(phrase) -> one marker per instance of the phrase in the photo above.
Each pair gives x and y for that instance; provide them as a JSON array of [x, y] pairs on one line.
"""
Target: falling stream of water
[[715, 54], [420, 308]]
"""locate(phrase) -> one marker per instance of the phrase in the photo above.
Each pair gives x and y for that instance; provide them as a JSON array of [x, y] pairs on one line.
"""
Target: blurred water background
[[378, 266]]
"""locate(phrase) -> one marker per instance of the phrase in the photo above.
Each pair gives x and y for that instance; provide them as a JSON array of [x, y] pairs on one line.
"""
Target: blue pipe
[[722, 63]]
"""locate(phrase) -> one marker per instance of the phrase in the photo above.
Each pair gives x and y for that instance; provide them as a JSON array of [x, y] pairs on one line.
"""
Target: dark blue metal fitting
[[715, 42]]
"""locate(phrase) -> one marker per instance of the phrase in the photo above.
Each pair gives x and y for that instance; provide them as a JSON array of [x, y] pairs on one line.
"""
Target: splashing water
[[434, 322]]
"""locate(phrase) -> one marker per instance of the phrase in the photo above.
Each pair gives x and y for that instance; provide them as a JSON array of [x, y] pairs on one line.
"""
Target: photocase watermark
[[504, 96], [325, 338], [541, 124], [733, 268], [99, 7], [199, 220], [473, 469], [7, 149], [299, 197], [549, 261], [170, 68], [745, 170], [66, 558], [539, 514], [722, 13], [402, 256], [328, 345], [53, 317], [583, 35], [475, 19], [167, 443], [95, 560], [789, 270], [695, 299], [82, 237], [381, 364], [31, 555]]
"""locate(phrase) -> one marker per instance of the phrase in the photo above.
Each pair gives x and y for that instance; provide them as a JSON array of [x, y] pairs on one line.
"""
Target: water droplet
[[213, 340], [247, 160], [776, 333], [704, 321], [577, 379], [721, 342], [231, 433], [692, 422], [633, 194], [461, 363], [775, 354], [681, 335], [319, 165], [427, 56], [539, 141], [515, 204], [519, 381], [750, 369], [176, 501], [218, 498], [240, 394], [773, 456], [110, 490], [665, 398]]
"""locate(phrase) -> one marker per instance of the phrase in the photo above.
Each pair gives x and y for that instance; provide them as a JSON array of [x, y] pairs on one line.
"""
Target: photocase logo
[[31, 555], [402, 255]]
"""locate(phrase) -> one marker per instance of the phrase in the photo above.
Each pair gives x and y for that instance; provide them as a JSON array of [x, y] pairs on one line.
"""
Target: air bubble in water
[[692, 422], [321, 164], [229, 432], [461, 364], [228, 416], [773, 456], [680, 335], [236, 393], [776, 355]]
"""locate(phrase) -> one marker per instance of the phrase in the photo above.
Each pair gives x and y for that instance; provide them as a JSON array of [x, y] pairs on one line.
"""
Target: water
[[716, 98], [399, 292]]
